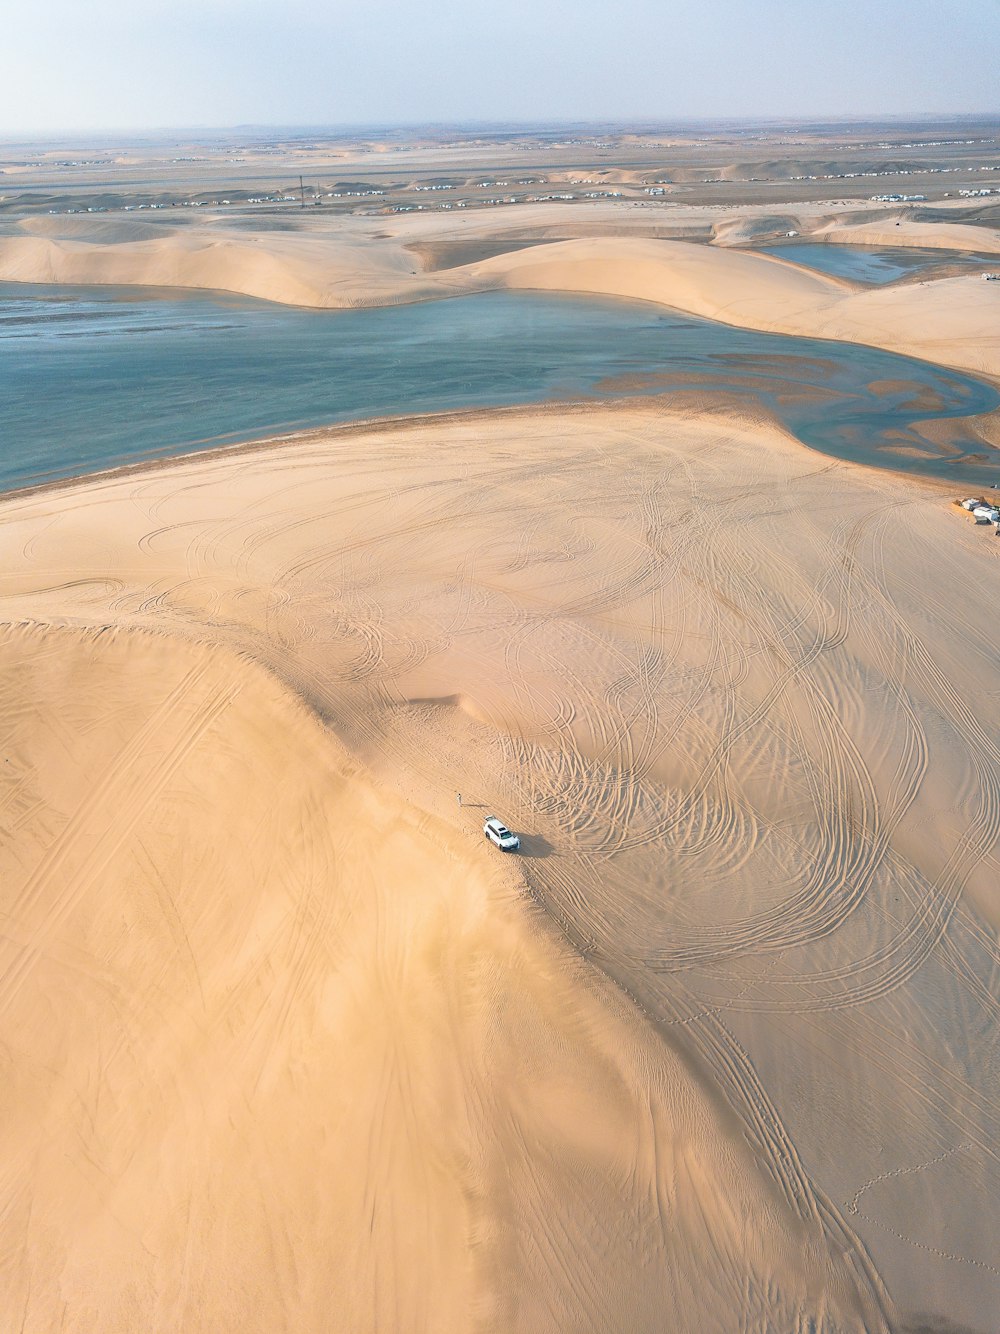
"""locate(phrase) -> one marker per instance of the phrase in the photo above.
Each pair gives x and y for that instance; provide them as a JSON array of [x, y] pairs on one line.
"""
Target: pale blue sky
[[91, 64]]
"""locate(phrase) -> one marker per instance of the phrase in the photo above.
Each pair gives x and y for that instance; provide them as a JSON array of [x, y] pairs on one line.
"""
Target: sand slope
[[288, 1044], [293, 270], [905, 231], [283, 1053], [953, 321]]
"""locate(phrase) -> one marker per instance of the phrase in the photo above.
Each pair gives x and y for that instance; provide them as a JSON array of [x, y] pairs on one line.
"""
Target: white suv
[[500, 835]]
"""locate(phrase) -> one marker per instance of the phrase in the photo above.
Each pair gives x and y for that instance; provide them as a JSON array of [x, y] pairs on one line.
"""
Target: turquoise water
[[876, 264], [91, 378]]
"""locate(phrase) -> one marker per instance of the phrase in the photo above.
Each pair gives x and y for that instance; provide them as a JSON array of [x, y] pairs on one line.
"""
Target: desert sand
[[289, 1046], [343, 262]]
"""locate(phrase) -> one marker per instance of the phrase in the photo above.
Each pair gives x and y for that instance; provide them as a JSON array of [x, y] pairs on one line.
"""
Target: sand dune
[[291, 269], [905, 231], [316, 1066], [739, 288], [754, 226], [952, 321], [330, 1062]]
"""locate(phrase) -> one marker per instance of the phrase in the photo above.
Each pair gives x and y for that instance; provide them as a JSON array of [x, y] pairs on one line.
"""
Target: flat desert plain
[[288, 1046]]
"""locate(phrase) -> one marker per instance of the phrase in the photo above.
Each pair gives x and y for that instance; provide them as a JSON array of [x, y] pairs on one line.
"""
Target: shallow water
[[874, 264], [95, 377]]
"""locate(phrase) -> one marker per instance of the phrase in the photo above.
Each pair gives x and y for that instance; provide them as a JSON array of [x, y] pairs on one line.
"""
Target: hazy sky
[[88, 64]]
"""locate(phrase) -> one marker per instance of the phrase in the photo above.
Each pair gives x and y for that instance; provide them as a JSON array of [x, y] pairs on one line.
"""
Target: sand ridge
[[725, 689], [378, 1094], [339, 264]]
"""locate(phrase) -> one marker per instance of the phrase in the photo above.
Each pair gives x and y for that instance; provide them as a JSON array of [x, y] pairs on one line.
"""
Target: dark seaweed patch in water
[[95, 378]]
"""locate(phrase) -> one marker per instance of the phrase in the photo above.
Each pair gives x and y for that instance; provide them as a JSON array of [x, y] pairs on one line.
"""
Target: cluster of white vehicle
[[983, 511]]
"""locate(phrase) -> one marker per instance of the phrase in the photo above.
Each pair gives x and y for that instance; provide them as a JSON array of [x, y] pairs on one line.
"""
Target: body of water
[[875, 264], [91, 378]]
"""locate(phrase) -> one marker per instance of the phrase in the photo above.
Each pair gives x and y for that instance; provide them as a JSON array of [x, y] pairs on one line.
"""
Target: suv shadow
[[534, 845]]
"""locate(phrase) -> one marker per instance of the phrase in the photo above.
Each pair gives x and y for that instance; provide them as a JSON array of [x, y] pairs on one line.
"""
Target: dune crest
[[318, 1065], [723, 686], [952, 321], [903, 231]]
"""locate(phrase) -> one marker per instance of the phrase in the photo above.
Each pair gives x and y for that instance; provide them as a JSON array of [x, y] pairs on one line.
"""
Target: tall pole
[[302, 193]]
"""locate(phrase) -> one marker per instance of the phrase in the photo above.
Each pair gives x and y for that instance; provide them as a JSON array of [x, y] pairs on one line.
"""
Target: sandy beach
[[289, 1046]]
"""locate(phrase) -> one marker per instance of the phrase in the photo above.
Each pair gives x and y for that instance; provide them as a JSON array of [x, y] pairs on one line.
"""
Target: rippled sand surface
[[288, 1045]]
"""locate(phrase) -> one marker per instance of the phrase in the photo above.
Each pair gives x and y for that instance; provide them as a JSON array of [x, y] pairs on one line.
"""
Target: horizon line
[[647, 124]]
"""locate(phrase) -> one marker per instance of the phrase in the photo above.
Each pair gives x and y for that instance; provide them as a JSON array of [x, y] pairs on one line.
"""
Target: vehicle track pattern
[[706, 674]]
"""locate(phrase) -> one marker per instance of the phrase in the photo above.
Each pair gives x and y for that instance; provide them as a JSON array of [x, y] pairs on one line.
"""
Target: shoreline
[[948, 321], [658, 404], [672, 650], [703, 626], [938, 430], [388, 424]]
